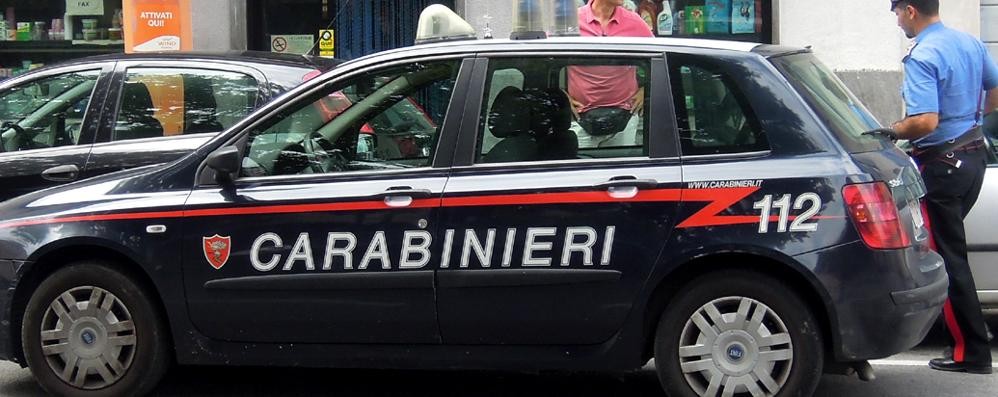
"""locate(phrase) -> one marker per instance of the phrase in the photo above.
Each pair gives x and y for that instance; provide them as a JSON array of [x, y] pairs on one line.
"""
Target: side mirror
[[225, 162]]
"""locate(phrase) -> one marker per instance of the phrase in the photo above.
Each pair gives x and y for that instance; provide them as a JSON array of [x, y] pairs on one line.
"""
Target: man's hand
[[576, 105], [638, 102], [917, 126]]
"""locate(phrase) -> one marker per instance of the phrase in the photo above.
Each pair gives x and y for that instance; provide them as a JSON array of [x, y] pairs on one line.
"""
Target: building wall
[[497, 15], [218, 25], [989, 25], [861, 41]]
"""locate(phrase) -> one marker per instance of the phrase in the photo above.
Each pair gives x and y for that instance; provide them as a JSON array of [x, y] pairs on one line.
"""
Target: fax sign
[[84, 7]]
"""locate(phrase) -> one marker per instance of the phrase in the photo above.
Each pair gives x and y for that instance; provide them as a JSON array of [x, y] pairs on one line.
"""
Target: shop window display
[[745, 20], [34, 33]]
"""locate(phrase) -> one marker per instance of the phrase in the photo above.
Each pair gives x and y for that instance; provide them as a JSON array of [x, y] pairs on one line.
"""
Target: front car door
[[328, 235], [162, 110], [49, 122], [550, 228]]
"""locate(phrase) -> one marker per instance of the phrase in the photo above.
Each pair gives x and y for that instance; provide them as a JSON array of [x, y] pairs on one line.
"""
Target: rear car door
[[162, 110], [49, 123], [549, 230], [328, 235]]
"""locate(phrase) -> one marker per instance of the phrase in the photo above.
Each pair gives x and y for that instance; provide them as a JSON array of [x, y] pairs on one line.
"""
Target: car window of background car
[[381, 120], [713, 115], [159, 102], [844, 114], [47, 112], [529, 116]]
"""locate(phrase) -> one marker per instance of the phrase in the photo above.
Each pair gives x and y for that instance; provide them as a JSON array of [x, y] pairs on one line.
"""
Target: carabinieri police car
[[445, 206]]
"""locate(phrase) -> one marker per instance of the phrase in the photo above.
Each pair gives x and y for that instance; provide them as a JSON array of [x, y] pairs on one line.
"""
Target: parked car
[[751, 236], [101, 114], [982, 235]]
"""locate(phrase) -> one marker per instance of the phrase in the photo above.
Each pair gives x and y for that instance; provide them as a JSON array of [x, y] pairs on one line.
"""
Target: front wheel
[[738, 333], [89, 330]]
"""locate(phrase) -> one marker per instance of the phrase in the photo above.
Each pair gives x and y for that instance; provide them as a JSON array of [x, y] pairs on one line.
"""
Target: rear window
[[837, 107]]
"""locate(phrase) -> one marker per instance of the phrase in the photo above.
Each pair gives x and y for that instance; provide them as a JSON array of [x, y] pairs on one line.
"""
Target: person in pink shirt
[[605, 98]]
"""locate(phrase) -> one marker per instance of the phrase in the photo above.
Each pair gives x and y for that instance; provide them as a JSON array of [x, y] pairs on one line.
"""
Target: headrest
[[550, 110], [507, 117], [135, 95]]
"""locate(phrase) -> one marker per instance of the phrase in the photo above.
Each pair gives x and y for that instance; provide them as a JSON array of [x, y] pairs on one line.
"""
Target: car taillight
[[871, 207]]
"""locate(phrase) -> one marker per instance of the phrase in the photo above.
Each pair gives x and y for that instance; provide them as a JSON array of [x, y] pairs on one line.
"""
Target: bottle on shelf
[[665, 22]]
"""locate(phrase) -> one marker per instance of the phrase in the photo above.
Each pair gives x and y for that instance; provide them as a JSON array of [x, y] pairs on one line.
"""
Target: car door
[[49, 123], [329, 233], [162, 110], [982, 241], [550, 229]]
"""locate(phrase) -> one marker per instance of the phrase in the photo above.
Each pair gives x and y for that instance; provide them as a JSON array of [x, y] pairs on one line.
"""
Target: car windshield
[[840, 110]]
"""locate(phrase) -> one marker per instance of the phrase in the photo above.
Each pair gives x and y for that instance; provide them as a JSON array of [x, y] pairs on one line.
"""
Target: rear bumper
[[875, 308], [932, 295]]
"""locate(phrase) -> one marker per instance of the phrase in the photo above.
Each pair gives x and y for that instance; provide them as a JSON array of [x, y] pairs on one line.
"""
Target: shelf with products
[[64, 46], [742, 20], [34, 33]]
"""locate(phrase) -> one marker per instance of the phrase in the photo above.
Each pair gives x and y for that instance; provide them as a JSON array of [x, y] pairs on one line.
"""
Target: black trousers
[[952, 191]]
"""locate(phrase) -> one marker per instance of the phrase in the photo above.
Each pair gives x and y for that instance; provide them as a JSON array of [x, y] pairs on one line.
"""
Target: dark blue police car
[[743, 232]]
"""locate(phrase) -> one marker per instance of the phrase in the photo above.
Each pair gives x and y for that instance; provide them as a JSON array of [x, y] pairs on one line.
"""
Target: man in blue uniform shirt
[[947, 74]]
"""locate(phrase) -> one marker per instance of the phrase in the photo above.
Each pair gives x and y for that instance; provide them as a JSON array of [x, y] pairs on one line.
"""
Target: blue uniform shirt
[[945, 72]]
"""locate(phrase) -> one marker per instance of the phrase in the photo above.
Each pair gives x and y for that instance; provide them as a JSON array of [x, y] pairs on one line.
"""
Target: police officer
[[946, 75]]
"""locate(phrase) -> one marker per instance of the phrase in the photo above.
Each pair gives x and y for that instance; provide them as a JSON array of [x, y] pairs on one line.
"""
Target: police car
[[749, 238]]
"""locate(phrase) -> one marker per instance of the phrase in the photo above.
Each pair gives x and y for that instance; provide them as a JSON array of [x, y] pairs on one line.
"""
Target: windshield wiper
[[884, 132]]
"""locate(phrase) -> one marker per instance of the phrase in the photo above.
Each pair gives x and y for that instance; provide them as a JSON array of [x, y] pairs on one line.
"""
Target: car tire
[[118, 347], [712, 322]]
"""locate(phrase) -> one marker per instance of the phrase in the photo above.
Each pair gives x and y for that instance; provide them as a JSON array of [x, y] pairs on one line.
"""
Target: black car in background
[[102, 114]]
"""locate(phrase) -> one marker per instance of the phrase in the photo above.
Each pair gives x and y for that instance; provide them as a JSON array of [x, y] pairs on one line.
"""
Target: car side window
[[561, 108], [383, 120], [156, 102], [713, 115], [46, 113]]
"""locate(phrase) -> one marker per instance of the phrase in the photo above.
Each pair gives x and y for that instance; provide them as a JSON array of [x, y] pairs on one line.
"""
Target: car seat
[[551, 122], [509, 120], [200, 106], [135, 117]]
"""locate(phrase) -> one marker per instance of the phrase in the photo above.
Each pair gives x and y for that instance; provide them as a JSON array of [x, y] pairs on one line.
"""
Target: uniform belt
[[968, 142]]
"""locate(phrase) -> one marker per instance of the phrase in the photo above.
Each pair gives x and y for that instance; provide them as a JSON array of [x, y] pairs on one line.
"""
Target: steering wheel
[[19, 134], [328, 156]]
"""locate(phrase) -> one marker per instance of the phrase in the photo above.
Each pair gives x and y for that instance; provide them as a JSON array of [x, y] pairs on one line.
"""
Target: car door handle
[[402, 196], [62, 173], [625, 187]]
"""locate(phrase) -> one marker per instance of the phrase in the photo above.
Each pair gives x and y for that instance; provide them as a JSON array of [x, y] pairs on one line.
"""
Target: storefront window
[[34, 33], [744, 20], [358, 27]]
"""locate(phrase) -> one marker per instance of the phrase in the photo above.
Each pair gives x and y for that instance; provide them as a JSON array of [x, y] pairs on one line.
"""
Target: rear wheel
[[738, 333], [90, 330]]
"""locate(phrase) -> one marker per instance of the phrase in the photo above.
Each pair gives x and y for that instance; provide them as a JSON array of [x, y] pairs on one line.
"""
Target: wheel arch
[[711, 260], [57, 255]]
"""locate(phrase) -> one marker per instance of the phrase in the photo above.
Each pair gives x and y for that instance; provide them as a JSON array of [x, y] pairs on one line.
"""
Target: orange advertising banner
[[157, 25]]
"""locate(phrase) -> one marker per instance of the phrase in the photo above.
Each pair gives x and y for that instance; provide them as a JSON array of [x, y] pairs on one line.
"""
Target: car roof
[[566, 43], [259, 57]]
